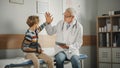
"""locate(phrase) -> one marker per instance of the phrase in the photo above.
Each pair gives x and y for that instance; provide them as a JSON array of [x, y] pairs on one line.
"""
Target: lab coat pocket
[[71, 39]]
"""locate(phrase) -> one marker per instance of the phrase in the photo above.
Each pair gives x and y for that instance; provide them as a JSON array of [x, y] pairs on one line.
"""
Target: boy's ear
[[73, 16]]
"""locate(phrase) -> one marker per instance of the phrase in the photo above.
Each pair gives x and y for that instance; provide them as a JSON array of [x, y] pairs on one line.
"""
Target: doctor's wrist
[[67, 47]]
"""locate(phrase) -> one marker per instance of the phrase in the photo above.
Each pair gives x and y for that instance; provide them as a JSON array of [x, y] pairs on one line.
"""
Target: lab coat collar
[[72, 23]]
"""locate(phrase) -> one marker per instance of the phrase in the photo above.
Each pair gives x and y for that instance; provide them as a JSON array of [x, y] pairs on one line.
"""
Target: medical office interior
[[92, 14]]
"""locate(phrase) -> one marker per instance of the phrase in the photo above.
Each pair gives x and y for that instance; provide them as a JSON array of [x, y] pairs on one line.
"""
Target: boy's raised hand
[[48, 17]]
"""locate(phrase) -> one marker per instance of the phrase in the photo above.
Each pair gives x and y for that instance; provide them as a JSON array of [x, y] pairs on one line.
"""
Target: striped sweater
[[32, 35]]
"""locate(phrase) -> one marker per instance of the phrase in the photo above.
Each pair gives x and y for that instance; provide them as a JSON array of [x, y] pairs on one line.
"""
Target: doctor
[[69, 38]]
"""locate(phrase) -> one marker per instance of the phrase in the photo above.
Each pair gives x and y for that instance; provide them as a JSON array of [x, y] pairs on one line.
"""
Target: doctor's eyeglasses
[[68, 16]]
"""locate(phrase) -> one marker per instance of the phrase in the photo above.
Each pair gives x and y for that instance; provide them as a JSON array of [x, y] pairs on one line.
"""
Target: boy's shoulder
[[29, 31]]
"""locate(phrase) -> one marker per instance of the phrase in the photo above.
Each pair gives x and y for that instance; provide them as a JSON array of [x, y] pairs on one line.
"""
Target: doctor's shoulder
[[80, 28], [79, 25], [60, 23]]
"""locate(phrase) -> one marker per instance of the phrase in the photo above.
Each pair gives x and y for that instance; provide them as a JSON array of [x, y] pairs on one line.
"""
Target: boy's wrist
[[44, 23]]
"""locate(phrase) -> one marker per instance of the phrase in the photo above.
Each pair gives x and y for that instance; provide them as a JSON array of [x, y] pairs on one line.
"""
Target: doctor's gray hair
[[71, 10]]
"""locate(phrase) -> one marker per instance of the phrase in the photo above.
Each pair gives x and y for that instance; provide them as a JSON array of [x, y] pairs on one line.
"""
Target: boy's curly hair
[[32, 20]]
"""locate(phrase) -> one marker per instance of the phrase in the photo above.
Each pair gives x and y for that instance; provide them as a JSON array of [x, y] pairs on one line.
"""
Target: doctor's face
[[68, 17]]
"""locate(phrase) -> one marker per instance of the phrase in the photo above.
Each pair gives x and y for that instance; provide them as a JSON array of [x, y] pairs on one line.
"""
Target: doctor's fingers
[[48, 14]]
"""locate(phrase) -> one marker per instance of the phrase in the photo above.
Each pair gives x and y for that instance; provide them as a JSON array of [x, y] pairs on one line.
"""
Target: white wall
[[88, 15], [13, 16], [56, 10], [104, 6]]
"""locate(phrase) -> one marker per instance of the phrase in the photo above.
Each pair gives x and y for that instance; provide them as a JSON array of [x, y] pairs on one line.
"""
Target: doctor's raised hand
[[48, 17]]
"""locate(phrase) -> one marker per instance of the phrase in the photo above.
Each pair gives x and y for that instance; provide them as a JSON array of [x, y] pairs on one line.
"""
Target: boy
[[30, 44]]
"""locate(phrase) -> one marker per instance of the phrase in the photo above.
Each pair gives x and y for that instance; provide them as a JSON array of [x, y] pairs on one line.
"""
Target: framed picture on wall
[[16, 1], [42, 7]]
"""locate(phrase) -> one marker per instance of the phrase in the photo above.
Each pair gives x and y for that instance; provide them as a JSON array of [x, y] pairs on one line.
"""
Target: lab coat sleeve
[[52, 29], [79, 40]]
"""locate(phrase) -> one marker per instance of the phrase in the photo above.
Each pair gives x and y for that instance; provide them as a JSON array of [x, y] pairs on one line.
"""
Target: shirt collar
[[72, 23]]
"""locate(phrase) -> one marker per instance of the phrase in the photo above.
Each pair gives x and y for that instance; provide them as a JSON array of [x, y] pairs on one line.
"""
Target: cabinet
[[108, 41]]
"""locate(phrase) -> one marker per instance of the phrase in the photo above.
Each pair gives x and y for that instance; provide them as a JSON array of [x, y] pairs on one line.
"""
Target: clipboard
[[59, 43]]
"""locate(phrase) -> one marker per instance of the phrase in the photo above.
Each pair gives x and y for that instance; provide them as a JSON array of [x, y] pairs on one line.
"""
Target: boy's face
[[37, 22], [36, 26]]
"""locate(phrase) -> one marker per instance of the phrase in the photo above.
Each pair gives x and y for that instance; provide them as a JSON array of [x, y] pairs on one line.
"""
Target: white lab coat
[[73, 36]]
